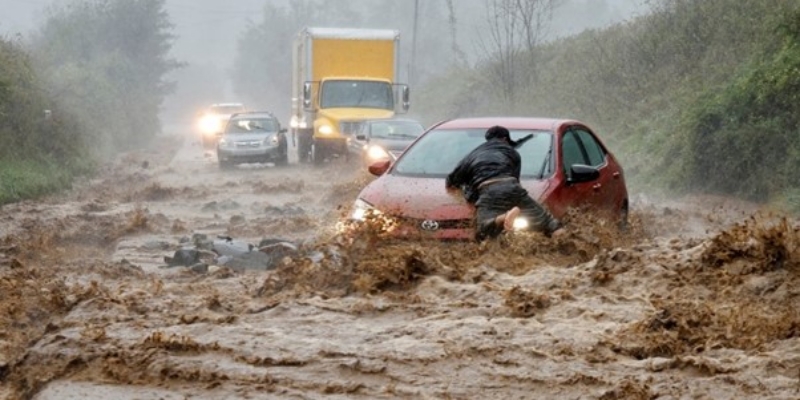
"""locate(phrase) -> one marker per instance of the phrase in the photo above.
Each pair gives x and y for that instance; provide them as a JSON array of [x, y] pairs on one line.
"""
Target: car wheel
[[283, 154], [225, 165], [623, 223]]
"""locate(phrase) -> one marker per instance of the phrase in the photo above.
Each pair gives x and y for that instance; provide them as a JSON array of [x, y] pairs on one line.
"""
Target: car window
[[571, 152], [252, 125], [597, 156], [438, 152], [395, 130]]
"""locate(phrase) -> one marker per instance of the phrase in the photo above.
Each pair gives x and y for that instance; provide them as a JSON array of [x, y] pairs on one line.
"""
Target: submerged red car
[[564, 165]]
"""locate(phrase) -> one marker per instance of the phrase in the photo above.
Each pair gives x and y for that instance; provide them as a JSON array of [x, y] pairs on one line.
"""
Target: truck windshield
[[358, 94]]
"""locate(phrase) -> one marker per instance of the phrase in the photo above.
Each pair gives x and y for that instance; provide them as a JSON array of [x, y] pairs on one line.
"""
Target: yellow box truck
[[340, 78]]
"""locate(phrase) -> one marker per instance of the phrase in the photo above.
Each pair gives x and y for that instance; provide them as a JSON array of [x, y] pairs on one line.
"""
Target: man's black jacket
[[492, 159]]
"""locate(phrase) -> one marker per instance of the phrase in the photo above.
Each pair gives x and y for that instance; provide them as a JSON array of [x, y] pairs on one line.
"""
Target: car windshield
[[395, 130], [438, 152], [362, 94], [231, 109], [252, 125]]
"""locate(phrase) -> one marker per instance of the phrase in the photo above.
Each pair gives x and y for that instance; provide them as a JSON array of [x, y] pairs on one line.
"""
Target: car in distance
[[564, 165], [384, 139], [211, 121], [252, 137]]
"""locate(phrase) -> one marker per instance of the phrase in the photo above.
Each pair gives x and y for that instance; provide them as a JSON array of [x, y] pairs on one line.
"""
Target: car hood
[[426, 198], [391, 144], [346, 114], [247, 137]]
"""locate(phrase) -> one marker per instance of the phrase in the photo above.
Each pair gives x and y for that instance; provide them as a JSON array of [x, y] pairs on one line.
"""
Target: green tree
[[106, 60]]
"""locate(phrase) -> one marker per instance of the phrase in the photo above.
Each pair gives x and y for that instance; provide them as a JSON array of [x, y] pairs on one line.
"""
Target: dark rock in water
[[251, 260], [278, 248], [237, 220], [227, 246], [200, 268], [220, 205], [201, 241], [270, 241], [184, 240], [184, 258]]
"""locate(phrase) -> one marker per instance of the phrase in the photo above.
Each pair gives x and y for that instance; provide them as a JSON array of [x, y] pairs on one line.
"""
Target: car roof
[[227, 105], [263, 114], [508, 122]]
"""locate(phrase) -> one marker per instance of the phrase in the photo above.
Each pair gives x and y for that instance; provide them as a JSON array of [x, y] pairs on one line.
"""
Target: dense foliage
[[38, 154], [696, 95], [105, 61], [97, 66]]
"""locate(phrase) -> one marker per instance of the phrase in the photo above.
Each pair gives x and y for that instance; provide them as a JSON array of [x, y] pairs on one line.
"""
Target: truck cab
[[342, 77]]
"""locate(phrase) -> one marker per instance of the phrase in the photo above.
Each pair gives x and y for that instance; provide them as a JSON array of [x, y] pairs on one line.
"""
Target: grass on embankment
[[26, 179]]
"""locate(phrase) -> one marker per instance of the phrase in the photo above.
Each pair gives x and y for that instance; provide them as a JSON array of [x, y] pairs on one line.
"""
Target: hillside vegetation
[[98, 66], [697, 95]]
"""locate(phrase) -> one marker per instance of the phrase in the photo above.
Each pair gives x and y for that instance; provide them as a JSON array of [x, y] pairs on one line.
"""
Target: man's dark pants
[[498, 198]]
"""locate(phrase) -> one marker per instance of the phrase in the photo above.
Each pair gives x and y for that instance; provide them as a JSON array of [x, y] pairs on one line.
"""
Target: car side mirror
[[580, 173], [361, 137], [379, 168]]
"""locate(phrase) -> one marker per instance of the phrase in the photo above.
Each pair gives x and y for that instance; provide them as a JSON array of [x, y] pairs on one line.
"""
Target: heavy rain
[[246, 200]]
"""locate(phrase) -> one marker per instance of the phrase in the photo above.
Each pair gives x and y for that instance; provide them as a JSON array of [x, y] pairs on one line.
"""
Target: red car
[[564, 165]]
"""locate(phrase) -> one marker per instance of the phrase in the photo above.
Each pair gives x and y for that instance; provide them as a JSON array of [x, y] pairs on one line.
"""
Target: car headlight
[[325, 129], [224, 143], [360, 210], [377, 153], [521, 224], [271, 140]]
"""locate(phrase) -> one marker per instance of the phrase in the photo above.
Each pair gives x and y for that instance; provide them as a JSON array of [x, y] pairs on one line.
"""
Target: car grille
[[350, 127], [250, 144], [435, 225]]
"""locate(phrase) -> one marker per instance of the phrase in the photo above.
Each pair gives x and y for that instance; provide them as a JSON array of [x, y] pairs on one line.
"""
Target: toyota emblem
[[429, 225]]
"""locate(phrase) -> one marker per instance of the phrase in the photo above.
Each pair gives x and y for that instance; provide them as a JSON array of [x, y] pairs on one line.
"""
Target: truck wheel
[[317, 154], [303, 149]]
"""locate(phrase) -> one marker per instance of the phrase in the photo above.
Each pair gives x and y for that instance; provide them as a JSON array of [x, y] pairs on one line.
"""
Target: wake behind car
[[252, 137], [384, 139], [564, 165], [212, 121]]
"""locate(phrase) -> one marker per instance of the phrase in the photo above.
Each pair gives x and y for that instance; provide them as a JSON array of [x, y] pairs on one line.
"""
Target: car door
[[609, 187], [573, 195]]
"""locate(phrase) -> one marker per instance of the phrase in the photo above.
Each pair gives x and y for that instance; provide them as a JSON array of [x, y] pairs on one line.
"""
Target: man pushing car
[[489, 179]]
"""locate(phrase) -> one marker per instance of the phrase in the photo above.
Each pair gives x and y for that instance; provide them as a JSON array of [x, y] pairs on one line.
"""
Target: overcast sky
[[207, 30]]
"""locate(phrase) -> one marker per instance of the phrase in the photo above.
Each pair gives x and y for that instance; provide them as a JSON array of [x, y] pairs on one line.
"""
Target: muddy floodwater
[[697, 300]]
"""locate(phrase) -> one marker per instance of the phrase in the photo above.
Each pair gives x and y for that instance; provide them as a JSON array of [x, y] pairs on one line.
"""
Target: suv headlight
[[272, 140], [325, 129]]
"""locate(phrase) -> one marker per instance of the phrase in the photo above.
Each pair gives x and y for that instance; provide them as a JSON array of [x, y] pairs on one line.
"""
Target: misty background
[[691, 95], [208, 35]]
